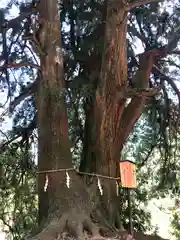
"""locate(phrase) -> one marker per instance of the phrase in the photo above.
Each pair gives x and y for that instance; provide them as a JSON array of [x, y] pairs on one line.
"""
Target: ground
[[114, 236]]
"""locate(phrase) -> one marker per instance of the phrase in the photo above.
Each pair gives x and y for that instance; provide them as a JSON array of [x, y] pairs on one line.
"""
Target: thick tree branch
[[130, 116], [140, 81], [19, 65], [140, 3], [133, 111], [30, 89], [127, 92]]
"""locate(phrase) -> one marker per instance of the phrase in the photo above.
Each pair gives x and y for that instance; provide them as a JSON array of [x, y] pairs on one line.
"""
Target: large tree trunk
[[109, 122], [103, 122], [59, 206], [113, 74]]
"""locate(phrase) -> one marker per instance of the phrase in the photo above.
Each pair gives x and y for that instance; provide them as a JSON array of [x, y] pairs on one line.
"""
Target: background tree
[[95, 90], [175, 224]]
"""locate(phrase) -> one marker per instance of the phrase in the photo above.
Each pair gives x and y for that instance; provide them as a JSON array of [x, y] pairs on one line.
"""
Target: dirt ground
[[114, 236]]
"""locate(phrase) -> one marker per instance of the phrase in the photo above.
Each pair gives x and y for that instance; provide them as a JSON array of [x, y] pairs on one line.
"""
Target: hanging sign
[[128, 174]]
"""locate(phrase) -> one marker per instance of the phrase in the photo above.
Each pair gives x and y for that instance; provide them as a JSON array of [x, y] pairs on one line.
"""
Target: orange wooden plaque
[[128, 174]]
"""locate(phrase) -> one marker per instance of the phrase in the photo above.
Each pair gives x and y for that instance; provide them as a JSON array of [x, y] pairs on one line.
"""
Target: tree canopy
[[87, 83]]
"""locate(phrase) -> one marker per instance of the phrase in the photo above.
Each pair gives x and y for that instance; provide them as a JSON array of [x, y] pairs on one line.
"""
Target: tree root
[[76, 223], [72, 222]]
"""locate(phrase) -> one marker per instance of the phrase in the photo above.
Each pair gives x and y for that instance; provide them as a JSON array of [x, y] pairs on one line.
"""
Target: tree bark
[[59, 206], [106, 111], [109, 122]]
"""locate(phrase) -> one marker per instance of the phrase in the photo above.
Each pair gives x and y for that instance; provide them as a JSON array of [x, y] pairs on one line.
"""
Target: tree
[[108, 118], [17, 186], [175, 223]]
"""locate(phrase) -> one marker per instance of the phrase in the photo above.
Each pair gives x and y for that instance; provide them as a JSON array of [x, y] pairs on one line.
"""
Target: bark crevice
[[70, 208]]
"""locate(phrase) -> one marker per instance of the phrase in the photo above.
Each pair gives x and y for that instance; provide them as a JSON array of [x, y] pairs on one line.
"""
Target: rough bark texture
[[52, 118], [59, 206], [103, 148], [109, 125], [109, 122], [113, 74]]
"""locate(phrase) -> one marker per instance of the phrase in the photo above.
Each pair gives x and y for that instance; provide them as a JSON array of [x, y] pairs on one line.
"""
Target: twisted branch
[[140, 3]]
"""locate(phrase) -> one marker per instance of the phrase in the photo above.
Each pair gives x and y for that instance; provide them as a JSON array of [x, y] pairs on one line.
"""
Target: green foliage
[[175, 221], [18, 197], [153, 145]]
